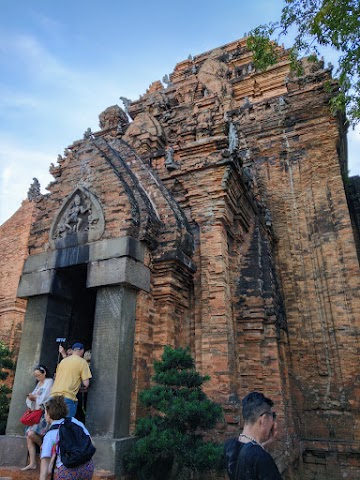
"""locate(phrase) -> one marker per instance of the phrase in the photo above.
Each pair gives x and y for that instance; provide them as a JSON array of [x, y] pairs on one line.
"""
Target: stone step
[[15, 473]]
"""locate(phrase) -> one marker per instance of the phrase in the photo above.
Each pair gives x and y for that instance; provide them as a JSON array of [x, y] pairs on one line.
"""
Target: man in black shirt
[[246, 457]]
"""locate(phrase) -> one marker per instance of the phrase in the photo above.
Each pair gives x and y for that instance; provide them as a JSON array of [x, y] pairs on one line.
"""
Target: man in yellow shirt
[[70, 372]]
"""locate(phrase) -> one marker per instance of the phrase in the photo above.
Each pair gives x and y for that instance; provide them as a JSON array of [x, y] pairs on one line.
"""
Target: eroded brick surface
[[14, 237]]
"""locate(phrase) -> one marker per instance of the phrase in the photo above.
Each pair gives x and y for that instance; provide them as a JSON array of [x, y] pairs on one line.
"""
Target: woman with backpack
[[67, 443]]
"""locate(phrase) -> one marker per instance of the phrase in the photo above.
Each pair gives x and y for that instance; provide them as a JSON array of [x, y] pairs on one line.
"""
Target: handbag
[[31, 417]]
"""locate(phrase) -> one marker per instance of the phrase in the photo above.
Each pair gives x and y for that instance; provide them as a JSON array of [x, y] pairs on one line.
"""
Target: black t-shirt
[[255, 463]]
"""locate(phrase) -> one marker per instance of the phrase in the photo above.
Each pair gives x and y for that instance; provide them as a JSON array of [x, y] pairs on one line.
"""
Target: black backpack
[[75, 446], [234, 457], [231, 451]]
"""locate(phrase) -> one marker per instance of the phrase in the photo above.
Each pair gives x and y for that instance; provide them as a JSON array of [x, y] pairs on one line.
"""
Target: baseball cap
[[78, 346]]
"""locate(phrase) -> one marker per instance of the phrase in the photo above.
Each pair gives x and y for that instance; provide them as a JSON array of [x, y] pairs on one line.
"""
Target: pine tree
[[171, 438], [6, 365]]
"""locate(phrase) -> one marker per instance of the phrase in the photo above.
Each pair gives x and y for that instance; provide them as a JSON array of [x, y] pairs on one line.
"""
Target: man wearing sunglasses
[[246, 457]]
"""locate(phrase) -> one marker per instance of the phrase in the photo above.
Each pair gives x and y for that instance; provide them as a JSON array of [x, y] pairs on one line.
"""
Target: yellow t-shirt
[[70, 372]]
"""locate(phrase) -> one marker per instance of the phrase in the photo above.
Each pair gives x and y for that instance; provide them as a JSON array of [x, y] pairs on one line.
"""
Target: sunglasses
[[272, 414]]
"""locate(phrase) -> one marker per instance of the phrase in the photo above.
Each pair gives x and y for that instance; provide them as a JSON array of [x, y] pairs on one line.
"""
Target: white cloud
[[33, 56], [18, 166]]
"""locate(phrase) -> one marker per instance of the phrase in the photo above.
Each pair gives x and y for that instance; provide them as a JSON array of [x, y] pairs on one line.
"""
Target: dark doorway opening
[[79, 327]]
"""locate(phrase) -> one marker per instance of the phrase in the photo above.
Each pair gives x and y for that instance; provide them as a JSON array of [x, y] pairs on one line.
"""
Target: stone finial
[[166, 80], [126, 102], [34, 190]]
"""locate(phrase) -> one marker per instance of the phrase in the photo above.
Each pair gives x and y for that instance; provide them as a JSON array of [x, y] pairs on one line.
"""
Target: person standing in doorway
[[70, 373]]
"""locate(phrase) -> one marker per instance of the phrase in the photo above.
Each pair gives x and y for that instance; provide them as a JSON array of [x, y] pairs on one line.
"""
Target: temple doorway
[[78, 326]]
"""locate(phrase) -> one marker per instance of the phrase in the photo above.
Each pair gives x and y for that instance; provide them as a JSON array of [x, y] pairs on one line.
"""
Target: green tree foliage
[[332, 23], [6, 365], [171, 437]]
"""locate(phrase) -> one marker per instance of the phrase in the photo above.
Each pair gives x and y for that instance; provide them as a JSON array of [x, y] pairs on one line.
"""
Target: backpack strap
[[55, 427], [240, 460]]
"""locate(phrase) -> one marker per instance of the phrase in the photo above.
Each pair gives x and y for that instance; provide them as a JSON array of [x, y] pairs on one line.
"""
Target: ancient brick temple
[[212, 213]]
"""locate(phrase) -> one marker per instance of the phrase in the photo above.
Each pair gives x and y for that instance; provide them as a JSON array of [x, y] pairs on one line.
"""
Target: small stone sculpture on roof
[[233, 138], [169, 159], [34, 190], [126, 102], [88, 134], [166, 80]]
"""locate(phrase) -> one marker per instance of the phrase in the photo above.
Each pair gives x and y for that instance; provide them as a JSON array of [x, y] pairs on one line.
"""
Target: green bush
[[171, 438], [6, 365]]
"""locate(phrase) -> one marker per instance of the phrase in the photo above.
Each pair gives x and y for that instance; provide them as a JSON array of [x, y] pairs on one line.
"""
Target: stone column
[[45, 319], [108, 405], [112, 350], [29, 356]]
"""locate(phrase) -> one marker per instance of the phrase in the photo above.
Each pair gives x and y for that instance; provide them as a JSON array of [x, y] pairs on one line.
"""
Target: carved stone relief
[[80, 220], [214, 75]]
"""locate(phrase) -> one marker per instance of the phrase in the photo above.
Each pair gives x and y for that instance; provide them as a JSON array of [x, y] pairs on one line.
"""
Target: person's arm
[[85, 385], [44, 468], [85, 376], [45, 392], [62, 351]]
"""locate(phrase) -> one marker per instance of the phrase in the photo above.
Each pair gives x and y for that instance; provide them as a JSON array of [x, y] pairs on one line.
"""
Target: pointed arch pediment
[[80, 220]]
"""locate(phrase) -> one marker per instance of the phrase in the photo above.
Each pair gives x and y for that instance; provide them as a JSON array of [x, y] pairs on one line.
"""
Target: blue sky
[[62, 63]]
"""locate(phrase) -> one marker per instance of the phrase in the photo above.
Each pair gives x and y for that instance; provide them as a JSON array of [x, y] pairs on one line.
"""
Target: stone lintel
[[118, 271], [80, 254], [36, 283], [116, 248]]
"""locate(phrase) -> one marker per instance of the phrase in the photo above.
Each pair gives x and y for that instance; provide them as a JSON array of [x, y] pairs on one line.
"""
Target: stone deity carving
[[233, 138], [75, 217], [88, 134], [80, 220], [169, 159]]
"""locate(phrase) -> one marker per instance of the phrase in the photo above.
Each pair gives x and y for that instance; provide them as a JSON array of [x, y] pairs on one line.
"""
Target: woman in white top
[[36, 400]]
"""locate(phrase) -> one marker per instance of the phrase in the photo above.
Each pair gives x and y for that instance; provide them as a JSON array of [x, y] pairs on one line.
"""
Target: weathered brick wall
[[14, 237], [272, 308]]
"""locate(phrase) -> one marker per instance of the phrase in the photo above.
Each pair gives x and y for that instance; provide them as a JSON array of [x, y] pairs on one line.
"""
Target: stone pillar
[[108, 405], [112, 350], [44, 321], [29, 356]]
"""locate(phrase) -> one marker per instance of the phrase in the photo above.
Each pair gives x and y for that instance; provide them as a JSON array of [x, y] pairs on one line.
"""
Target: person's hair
[[253, 405], [56, 407], [43, 369], [87, 355]]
